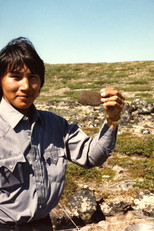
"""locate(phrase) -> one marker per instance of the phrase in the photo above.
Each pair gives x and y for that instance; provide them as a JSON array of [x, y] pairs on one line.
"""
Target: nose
[[25, 85]]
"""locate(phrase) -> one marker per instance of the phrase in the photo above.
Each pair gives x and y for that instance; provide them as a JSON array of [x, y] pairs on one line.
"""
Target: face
[[20, 88]]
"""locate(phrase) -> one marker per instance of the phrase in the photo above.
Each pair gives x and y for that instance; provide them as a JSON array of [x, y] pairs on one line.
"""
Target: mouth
[[24, 96]]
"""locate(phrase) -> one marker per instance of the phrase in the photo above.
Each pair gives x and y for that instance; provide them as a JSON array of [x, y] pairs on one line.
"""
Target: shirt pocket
[[11, 171], [56, 162]]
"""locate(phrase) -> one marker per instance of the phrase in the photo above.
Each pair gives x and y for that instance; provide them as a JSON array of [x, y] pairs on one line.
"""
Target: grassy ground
[[64, 82]]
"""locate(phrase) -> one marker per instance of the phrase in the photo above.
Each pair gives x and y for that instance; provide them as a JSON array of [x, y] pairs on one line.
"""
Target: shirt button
[[11, 166], [25, 118]]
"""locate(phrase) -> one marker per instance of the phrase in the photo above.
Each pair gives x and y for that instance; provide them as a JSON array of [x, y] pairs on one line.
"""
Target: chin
[[23, 106]]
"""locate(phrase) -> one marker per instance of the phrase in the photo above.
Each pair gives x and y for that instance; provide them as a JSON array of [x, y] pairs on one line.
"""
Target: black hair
[[17, 53]]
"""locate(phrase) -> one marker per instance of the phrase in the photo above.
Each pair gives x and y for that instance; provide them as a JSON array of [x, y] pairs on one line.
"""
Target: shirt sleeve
[[88, 152]]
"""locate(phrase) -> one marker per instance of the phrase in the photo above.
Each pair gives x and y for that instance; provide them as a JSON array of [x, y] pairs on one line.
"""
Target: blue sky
[[82, 31]]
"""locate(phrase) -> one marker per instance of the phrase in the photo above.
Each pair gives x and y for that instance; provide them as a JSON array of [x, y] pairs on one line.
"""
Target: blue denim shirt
[[33, 160]]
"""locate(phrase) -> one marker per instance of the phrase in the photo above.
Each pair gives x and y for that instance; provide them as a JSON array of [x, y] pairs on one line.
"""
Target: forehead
[[12, 67], [20, 65], [19, 69]]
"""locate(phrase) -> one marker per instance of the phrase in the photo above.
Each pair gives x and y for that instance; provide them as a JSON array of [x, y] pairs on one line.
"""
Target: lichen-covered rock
[[115, 207], [83, 204], [144, 203]]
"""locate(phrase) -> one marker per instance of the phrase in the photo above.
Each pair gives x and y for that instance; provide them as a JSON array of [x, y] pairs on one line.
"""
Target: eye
[[34, 77], [15, 76]]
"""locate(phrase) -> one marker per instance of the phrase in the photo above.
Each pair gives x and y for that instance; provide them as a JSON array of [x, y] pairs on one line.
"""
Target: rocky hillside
[[130, 169]]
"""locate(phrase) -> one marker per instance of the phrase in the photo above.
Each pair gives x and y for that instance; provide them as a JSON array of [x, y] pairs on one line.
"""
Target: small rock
[[125, 185], [145, 131]]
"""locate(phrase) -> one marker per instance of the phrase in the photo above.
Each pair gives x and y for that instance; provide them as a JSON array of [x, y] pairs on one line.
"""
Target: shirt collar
[[11, 114]]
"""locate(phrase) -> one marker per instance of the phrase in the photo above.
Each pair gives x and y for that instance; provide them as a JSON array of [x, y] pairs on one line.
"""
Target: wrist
[[112, 123]]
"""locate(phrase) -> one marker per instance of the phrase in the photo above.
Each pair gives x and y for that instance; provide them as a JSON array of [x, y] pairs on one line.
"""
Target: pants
[[38, 225]]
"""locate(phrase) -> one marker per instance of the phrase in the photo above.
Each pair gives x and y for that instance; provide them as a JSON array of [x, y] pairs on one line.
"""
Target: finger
[[107, 92], [110, 104], [113, 98]]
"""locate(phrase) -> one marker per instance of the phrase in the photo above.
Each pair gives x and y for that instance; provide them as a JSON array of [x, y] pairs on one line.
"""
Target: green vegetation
[[146, 96], [136, 88], [137, 169], [72, 94], [127, 77], [130, 145], [134, 82]]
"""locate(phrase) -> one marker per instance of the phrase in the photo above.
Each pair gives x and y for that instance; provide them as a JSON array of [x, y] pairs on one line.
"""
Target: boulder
[[143, 204], [115, 207], [83, 204]]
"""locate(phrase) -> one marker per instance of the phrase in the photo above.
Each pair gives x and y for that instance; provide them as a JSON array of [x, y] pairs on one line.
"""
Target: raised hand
[[113, 102]]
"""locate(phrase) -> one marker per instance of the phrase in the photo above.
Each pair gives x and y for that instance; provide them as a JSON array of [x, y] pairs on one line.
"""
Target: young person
[[35, 145]]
